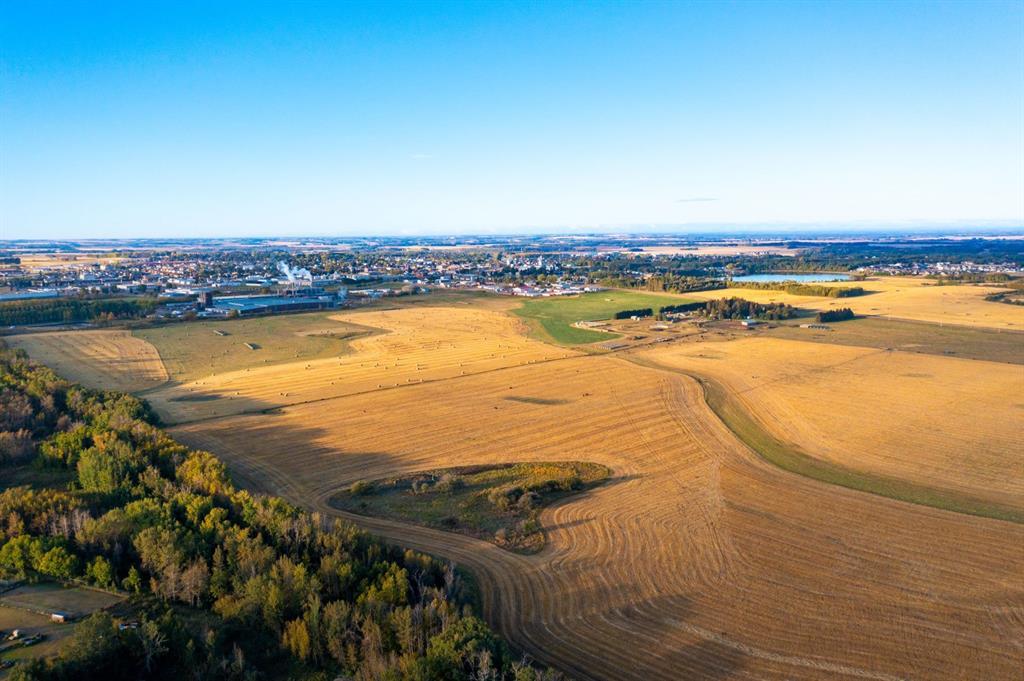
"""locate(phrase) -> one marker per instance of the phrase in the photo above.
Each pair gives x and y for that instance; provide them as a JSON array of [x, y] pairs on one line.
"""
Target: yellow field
[[913, 298], [699, 560], [109, 359], [419, 345], [38, 261], [944, 422]]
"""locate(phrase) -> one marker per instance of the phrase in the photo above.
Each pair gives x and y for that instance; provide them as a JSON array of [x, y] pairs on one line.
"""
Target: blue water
[[819, 276]]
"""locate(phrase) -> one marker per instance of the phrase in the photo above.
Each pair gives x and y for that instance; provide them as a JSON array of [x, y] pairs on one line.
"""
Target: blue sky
[[214, 119]]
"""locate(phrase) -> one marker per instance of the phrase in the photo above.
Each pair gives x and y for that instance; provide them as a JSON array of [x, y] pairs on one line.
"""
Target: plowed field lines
[[699, 560]]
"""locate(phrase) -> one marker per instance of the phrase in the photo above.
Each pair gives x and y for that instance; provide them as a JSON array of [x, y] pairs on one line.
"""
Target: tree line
[[228, 584], [839, 315], [68, 310], [738, 308], [796, 289], [627, 314]]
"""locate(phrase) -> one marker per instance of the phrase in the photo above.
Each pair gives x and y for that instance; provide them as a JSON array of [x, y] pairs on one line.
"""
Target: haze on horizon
[[179, 119]]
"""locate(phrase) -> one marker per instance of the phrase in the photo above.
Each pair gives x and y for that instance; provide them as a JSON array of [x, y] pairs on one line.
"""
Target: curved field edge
[[499, 503], [790, 458]]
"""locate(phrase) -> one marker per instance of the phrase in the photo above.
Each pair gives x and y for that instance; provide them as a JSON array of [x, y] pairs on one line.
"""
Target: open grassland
[[406, 346], [499, 503], [48, 597], [552, 318], [914, 298], [196, 349], [697, 560], [29, 624], [107, 359], [948, 429], [27, 609], [968, 342]]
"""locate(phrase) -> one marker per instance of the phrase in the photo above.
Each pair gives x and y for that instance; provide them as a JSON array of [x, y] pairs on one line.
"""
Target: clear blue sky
[[211, 119]]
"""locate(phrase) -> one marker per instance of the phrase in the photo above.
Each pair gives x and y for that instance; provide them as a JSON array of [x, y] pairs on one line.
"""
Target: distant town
[[223, 278]]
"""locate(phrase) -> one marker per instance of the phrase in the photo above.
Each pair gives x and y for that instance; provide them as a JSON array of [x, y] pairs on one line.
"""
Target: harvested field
[[408, 346], [967, 342], [196, 349], [697, 560], [107, 359], [914, 298], [946, 423]]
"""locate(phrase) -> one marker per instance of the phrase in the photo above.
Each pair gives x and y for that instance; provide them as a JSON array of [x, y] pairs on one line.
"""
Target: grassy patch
[[791, 458], [30, 624], [553, 318], [933, 339], [498, 503], [27, 607], [191, 350], [46, 597]]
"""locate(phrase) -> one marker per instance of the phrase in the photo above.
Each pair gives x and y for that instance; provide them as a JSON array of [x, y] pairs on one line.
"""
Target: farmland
[[191, 351], [968, 342], [409, 346], [108, 359], [913, 298], [551, 319], [722, 545], [673, 567], [959, 418]]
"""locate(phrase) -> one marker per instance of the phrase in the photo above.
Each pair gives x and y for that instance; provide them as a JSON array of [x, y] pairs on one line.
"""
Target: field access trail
[[699, 560]]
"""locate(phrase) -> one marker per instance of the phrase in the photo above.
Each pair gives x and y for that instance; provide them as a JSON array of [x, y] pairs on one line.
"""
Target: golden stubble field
[[109, 359], [914, 298], [944, 422], [699, 560], [415, 345]]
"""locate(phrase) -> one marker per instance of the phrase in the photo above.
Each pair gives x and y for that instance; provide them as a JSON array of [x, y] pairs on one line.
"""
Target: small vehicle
[[32, 640]]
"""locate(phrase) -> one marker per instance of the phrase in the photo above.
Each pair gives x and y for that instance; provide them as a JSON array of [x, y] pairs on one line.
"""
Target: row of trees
[[230, 585], [738, 308], [795, 289], [68, 310], [838, 315], [627, 314], [682, 307]]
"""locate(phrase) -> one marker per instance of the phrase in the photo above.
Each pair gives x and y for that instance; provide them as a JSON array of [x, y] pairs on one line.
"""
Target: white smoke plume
[[294, 274]]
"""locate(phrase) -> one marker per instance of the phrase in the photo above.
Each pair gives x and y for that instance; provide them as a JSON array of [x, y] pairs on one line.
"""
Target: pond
[[801, 278]]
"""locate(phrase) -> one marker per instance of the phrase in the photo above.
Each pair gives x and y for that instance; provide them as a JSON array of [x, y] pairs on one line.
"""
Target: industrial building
[[257, 305]]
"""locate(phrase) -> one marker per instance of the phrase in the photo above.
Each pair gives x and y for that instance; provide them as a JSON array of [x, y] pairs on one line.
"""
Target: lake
[[802, 278]]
